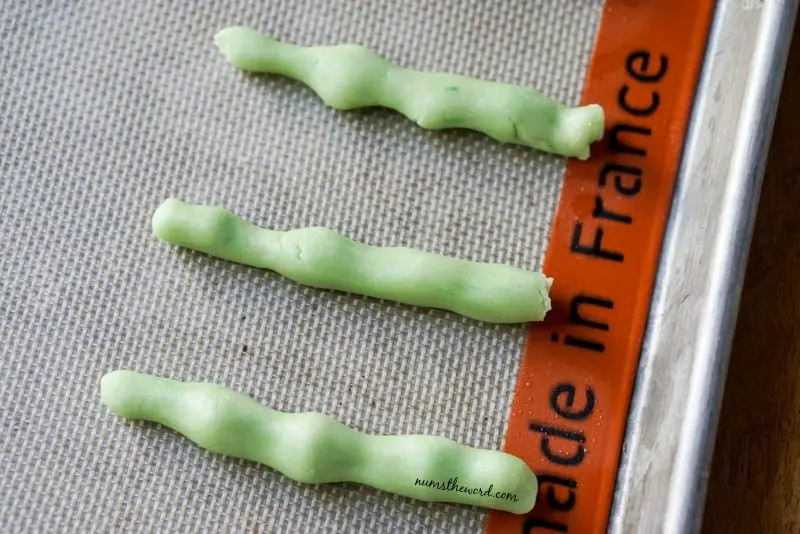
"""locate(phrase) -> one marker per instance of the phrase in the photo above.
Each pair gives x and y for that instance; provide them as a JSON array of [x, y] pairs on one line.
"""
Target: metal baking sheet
[[108, 108], [672, 423]]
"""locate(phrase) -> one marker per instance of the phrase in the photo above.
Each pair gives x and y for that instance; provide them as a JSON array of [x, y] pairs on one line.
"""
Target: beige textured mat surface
[[107, 108]]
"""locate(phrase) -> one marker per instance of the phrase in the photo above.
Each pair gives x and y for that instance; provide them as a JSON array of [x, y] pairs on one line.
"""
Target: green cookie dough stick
[[350, 76], [321, 258], [316, 449]]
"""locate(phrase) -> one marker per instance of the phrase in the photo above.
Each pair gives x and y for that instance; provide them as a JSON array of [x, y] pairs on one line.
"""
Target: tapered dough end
[[245, 48], [547, 303], [168, 221], [120, 391], [535, 301], [206, 229], [528, 491], [579, 128], [518, 479]]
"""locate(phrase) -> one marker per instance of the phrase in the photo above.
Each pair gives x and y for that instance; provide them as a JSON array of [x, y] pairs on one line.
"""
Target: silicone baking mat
[[107, 108]]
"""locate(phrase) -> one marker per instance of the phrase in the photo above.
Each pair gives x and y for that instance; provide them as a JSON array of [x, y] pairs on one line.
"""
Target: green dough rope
[[321, 258], [316, 449], [350, 76]]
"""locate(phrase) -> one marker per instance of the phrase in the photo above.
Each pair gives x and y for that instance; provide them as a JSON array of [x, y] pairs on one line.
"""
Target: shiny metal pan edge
[[671, 429]]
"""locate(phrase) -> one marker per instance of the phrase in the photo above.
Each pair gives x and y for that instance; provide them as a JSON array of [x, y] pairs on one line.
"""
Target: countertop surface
[[755, 477]]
